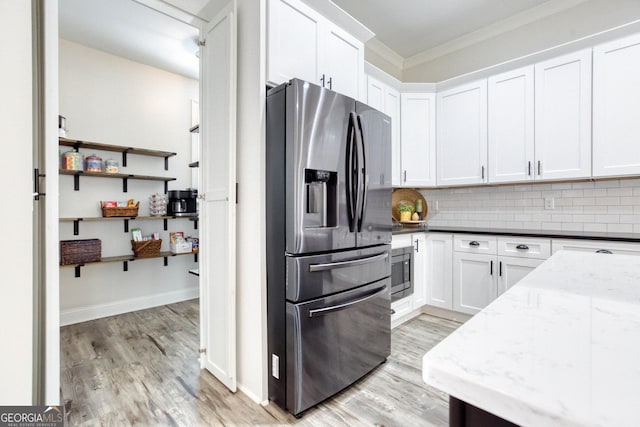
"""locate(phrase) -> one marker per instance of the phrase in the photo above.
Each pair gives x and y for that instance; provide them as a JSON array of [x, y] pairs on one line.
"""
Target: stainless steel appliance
[[401, 272], [328, 242], [183, 202]]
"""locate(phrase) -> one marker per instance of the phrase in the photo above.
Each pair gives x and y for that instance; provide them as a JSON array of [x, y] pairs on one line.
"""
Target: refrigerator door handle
[[365, 176], [349, 263], [351, 214], [326, 310]]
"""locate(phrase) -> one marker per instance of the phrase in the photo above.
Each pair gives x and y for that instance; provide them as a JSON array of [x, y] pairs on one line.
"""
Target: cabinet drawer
[[525, 247], [478, 244], [400, 308], [595, 245]]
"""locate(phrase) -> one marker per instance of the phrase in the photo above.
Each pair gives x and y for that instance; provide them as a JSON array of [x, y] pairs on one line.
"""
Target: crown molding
[[381, 49], [342, 19], [511, 23]]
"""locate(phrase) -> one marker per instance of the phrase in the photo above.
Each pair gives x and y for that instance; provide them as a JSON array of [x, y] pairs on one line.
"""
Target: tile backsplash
[[601, 206]]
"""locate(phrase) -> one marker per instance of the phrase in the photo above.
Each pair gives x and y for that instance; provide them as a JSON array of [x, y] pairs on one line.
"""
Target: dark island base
[[462, 414]]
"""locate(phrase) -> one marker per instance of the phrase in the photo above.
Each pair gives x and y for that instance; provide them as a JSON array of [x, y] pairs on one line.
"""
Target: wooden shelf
[[76, 144], [76, 220], [125, 259], [125, 177]]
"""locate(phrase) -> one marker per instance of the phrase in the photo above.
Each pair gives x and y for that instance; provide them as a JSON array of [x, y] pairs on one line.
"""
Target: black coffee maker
[[183, 202]]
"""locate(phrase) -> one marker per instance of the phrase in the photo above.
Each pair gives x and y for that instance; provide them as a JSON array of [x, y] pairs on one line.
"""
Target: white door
[[218, 209], [474, 281], [616, 102], [510, 130], [375, 94], [418, 139], [439, 270], [392, 109], [293, 44], [342, 61], [513, 269], [419, 270], [563, 117], [462, 135]]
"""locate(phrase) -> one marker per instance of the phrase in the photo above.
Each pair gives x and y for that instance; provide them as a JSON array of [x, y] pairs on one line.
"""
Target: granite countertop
[[559, 348], [554, 234]]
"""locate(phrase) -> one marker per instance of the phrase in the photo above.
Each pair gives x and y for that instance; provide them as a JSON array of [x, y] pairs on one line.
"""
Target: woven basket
[[123, 212], [80, 251], [146, 249]]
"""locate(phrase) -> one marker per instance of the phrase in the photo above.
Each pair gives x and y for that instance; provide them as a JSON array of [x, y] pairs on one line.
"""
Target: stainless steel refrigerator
[[328, 197]]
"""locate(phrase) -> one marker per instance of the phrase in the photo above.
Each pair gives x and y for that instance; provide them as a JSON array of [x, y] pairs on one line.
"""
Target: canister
[[94, 163], [111, 166], [72, 160]]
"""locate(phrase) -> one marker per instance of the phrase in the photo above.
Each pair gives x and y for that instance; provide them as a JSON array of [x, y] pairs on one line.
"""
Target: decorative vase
[[405, 216]]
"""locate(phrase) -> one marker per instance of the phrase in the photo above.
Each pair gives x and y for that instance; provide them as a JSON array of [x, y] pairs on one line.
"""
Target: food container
[[73, 161], [94, 163], [111, 166]]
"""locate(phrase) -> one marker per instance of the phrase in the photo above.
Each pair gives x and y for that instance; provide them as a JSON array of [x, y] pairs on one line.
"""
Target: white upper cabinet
[[462, 135], [616, 103], [418, 136], [563, 117], [303, 44], [510, 134], [375, 93]]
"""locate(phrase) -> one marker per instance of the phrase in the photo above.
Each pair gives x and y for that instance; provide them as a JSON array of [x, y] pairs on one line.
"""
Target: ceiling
[[411, 27], [133, 31]]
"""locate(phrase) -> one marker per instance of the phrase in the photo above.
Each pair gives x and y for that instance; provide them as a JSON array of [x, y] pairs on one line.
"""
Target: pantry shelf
[[76, 145], [123, 176], [76, 221], [125, 259]]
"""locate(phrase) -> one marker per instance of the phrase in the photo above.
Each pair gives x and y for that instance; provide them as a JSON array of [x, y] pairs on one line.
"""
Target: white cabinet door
[[375, 93], [418, 138], [293, 42], [342, 61], [419, 270], [563, 117], [510, 131], [462, 135], [439, 270], [392, 109], [616, 102], [513, 269], [474, 281]]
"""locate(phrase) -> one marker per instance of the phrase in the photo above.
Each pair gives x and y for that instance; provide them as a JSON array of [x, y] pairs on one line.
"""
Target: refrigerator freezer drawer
[[313, 276], [334, 341]]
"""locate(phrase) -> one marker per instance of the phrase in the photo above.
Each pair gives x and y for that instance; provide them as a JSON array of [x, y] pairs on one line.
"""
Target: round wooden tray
[[407, 195]]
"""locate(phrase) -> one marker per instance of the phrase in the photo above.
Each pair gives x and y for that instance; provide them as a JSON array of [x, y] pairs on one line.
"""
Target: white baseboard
[[92, 312], [446, 314], [251, 395]]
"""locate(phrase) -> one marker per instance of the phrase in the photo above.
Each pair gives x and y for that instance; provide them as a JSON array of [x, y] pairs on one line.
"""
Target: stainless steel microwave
[[401, 272]]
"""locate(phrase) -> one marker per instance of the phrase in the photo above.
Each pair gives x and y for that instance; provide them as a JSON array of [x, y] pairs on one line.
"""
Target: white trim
[[446, 314], [173, 11], [342, 19], [511, 23], [418, 87], [381, 49], [383, 76], [92, 312], [399, 321], [251, 395]]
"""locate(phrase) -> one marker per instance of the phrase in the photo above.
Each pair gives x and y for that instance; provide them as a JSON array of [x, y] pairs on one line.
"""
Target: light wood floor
[[141, 368]]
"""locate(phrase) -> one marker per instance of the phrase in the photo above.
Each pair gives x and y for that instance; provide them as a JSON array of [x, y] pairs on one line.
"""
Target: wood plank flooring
[[141, 368]]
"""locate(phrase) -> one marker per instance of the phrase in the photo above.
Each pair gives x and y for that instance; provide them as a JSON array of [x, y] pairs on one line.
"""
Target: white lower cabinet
[[474, 281], [599, 246], [439, 270], [513, 269], [419, 271]]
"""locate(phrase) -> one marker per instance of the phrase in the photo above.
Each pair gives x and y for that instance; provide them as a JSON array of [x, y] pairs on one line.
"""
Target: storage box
[[180, 248], [80, 251], [146, 248]]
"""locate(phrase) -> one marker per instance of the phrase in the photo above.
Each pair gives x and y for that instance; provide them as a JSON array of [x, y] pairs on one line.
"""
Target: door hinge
[[201, 196], [202, 350], [202, 42]]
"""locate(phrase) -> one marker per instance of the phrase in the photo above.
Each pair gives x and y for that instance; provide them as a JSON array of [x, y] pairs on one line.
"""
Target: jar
[[111, 166], [94, 163], [72, 160]]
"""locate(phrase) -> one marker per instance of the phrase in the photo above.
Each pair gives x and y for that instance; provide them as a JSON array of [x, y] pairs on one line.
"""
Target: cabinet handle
[[539, 167], [604, 251], [322, 80], [500, 266], [405, 176], [483, 173], [417, 245], [474, 243], [392, 311], [330, 82], [529, 168], [523, 247], [491, 271]]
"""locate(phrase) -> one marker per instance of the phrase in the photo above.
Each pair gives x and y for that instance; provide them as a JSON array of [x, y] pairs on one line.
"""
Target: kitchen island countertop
[[561, 347]]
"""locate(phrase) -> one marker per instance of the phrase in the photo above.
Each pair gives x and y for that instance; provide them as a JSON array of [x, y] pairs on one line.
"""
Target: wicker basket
[[146, 249], [130, 212], [80, 251]]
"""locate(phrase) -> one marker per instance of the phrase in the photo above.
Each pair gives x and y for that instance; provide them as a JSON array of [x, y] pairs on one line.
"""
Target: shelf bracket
[[195, 224], [76, 226], [78, 269], [166, 261], [166, 224], [126, 227], [76, 182], [77, 145], [166, 163], [125, 265], [124, 157], [124, 184], [195, 257], [166, 187]]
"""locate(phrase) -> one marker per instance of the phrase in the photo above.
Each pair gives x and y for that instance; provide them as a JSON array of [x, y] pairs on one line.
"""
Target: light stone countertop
[[561, 347]]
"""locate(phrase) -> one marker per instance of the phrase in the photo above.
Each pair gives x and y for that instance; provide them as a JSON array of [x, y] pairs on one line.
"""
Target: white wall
[[16, 285], [582, 20], [251, 238], [113, 100]]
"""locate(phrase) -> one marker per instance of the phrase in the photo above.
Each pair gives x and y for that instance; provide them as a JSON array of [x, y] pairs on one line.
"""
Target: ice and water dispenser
[[321, 195]]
